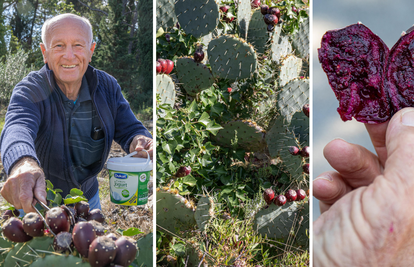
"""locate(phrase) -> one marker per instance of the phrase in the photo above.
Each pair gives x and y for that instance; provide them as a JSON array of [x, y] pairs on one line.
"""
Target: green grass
[[2, 121]]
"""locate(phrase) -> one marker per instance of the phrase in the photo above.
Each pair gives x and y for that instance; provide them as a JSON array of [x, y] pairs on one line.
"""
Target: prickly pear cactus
[[283, 222], [165, 89], [145, 249], [194, 77], [166, 17], [23, 252], [58, 261], [197, 17], [174, 212], [258, 35], [243, 17], [5, 247], [204, 212], [290, 68], [231, 58], [300, 41], [281, 46], [292, 97], [249, 135]]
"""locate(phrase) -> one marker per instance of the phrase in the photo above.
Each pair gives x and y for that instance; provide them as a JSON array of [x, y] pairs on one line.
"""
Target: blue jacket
[[35, 126]]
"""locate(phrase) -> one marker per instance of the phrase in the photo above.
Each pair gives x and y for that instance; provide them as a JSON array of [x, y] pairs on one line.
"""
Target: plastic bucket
[[128, 180]]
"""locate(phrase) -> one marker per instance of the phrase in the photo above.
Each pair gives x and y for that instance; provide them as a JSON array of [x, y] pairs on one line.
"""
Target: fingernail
[[339, 138], [408, 118], [325, 177]]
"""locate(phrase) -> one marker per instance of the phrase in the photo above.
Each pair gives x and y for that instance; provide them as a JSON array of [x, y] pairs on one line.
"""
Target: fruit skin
[[183, 171], [294, 9], [96, 214], [274, 11], [294, 150], [102, 251], [280, 200], [82, 235], [82, 209], [305, 168], [13, 230], [163, 64], [63, 242], [269, 195], [270, 19], [301, 194], [270, 28], [158, 67], [291, 195], [167, 37], [169, 66], [264, 9], [33, 225], [224, 8], [229, 89], [126, 251], [255, 3], [305, 152], [10, 213], [305, 110], [57, 220], [198, 55], [228, 19]]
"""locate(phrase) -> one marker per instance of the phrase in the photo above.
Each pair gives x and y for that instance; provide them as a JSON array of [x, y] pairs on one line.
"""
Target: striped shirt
[[81, 119]]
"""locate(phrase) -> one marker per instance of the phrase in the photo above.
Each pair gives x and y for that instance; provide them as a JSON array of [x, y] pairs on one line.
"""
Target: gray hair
[[49, 22]]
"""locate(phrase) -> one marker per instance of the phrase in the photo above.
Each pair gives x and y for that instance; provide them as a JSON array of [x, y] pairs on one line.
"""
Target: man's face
[[68, 52]]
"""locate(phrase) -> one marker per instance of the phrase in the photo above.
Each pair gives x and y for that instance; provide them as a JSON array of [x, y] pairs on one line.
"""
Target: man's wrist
[[27, 162]]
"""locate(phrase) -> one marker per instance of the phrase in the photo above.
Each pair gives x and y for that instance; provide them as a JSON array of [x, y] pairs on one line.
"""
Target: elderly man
[[62, 119]]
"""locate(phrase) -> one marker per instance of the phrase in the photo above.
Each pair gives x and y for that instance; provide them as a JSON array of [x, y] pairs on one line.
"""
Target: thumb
[[400, 147]]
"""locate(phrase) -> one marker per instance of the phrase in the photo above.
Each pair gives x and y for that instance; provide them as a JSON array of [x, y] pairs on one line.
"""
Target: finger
[[357, 165], [377, 134], [40, 189], [141, 144], [26, 193], [10, 193], [400, 148], [328, 187]]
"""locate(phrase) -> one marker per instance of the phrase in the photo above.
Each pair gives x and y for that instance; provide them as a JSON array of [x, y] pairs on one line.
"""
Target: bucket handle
[[135, 152]]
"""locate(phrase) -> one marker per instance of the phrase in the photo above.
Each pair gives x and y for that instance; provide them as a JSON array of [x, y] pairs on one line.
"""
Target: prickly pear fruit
[[99, 228], [83, 234], [158, 67], [305, 152], [183, 171], [305, 168], [113, 236], [224, 8], [126, 251], [264, 9], [229, 89], [33, 225], [274, 11], [280, 200], [198, 55], [255, 3], [294, 150], [57, 220], [291, 195], [70, 212], [270, 28], [13, 230], [268, 195], [10, 213], [305, 110], [63, 242], [102, 251], [167, 37], [270, 19], [97, 215], [169, 66], [301, 194], [82, 209]]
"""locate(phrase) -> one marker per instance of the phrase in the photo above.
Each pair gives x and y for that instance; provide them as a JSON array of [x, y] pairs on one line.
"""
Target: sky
[[387, 19]]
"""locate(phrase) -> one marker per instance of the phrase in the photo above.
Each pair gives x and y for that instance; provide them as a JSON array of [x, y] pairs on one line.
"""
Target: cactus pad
[[204, 212], [250, 136], [243, 17], [289, 69], [282, 222], [22, 252], [165, 89], [197, 17], [280, 46], [258, 35], [174, 212], [231, 58], [195, 77], [145, 249], [166, 17], [59, 261], [292, 97], [300, 41]]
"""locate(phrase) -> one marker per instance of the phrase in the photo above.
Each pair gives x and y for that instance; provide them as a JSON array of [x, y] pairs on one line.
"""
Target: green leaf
[[169, 146], [213, 127], [227, 190], [132, 231], [58, 199], [76, 192], [49, 184], [193, 108], [204, 119], [225, 179], [73, 200], [179, 249], [189, 180], [50, 195]]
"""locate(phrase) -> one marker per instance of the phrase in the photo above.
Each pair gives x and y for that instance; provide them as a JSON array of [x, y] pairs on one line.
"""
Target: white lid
[[129, 164]]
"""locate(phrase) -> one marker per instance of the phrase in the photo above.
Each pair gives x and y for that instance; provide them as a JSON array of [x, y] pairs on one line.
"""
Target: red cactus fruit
[[82, 209], [280, 200], [270, 28], [97, 215], [125, 252], [294, 150], [169, 67], [33, 225], [268, 195], [264, 9], [183, 171], [291, 195], [198, 55], [102, 251], [305, 152], [83, 234], [305, 168], [158, 67], [229, 89], [305, 110], [163, 63], [10, 213], [224, 8], [255, 3], [13, 230], [57, 220], [274, 11], [301, 194], [270, 19], [98, 227]]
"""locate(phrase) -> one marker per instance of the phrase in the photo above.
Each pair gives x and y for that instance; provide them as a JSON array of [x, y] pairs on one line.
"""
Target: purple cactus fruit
[[353, 59], [57, 220], [167, 37], [305, 110], [10, 213], [274, 11], [264, 9], [13, 230], [98, 227], [270, 27], [102, 251], [70, 212], [97, 215], [113, 236], [294, 150], [63, 242], [301, 194], [82, 209], [198, 55], [125, 252], [270, 19], [280, 200], [83, 234], [305, 152], [305, 168], [224, 8], [268, 195], [228, 18], [177, 25], [255, 3], [33, 225], [294, 9], [183, 171], [291, 195]]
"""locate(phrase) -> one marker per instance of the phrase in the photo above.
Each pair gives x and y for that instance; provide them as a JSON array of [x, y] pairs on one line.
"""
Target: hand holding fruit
[[139, 143], [26, 179], [367, 203]]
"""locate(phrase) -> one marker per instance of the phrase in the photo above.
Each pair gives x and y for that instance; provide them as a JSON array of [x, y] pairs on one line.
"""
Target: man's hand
[[368, 216], [26, 178], [139, 143]]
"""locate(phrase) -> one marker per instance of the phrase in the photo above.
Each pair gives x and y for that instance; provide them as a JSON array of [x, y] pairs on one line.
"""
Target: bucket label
[[129, 188]]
